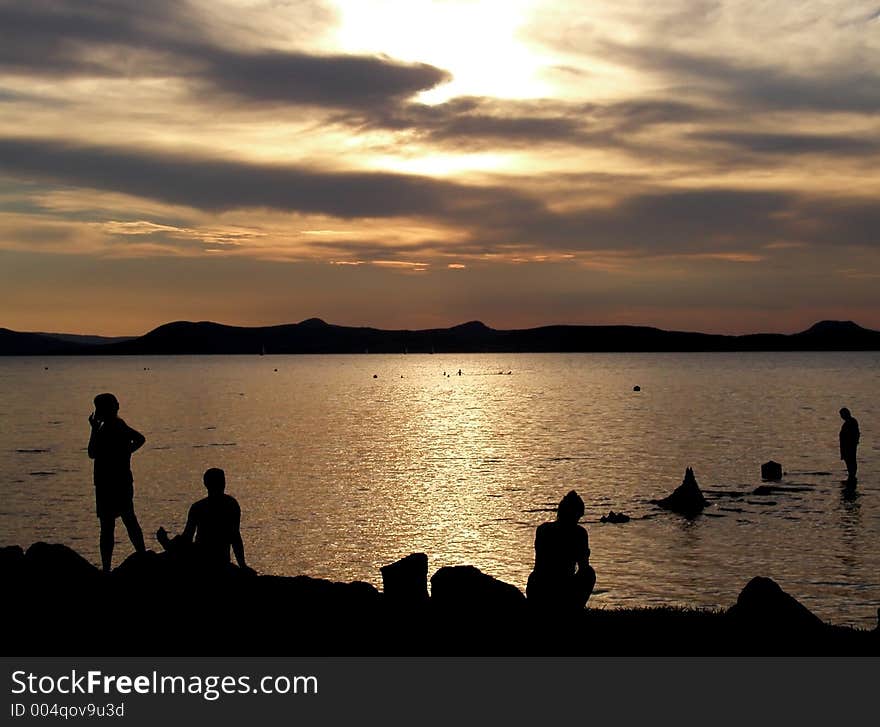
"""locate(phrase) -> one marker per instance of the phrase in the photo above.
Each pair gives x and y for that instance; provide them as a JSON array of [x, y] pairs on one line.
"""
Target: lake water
[[339, 473]]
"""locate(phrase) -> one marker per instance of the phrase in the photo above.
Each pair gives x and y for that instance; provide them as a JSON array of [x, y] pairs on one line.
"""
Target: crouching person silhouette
[[212, 527], [562, 579]]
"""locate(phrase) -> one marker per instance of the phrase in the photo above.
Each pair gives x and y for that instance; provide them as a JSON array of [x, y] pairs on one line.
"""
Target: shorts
[[115, 498]]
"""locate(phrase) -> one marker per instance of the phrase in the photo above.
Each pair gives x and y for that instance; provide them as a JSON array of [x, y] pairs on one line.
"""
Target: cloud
[[832, 87], [215, 185], [716, 223], [470, 121], [490, 219], [780, 143], [325, 80], [164, 39]]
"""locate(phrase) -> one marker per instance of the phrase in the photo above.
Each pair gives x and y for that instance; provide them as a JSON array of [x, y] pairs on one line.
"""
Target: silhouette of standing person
[[849, 443], [562, 579], [111, 445], [214, 522]]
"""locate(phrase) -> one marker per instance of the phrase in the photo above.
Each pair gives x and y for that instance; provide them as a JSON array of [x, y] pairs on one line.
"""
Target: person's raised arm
[[136, 439], [93, 436]]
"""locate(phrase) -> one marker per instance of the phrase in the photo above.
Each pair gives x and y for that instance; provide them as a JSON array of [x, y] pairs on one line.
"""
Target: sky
[[690, 164]]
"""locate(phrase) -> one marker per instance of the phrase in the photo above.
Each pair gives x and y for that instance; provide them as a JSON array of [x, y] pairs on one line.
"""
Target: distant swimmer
[[111, 444], [214, 524], [849, 443]]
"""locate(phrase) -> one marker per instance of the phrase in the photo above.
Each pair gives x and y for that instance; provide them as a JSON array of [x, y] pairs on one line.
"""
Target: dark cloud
[[842, 87], [702, 221], [498, 219], [59, 38], [341, 80], [215, 185], [791, 144], [469, 121], [673, 221], [168, 39]]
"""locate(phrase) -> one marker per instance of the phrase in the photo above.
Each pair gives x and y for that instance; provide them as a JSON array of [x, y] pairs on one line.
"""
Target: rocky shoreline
[[57, 602]]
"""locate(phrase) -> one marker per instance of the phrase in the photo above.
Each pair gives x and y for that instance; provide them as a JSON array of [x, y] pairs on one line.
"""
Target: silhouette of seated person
[[212, 528], [562, 579]]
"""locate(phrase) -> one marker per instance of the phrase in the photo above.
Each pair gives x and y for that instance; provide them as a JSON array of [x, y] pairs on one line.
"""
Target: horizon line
[[454, 325]]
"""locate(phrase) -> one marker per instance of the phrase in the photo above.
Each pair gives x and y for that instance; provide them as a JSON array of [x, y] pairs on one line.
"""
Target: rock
[[637, 388], [143, 567], [317, 595], [771, 471], [11, 562], [405, 581], [466, 588], [687, 499], [52, 562], [614, 517], [11, 556], [763, 605]]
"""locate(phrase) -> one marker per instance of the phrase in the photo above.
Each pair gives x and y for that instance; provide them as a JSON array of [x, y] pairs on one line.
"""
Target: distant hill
[[15, 343], [316, 336], [91, 340]]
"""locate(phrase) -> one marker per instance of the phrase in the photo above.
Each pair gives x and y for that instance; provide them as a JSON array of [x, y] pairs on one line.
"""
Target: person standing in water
[[849, 443], [111, 445]]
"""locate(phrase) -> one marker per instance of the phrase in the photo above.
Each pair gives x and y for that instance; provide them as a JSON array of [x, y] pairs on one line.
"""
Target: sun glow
[[478, 42], [443, 165]]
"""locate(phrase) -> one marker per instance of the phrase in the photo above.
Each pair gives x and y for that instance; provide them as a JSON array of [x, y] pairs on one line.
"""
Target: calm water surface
[[339, 473]]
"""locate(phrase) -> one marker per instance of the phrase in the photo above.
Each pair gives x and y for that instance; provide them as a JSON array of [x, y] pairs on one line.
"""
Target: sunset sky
[[403, 163]]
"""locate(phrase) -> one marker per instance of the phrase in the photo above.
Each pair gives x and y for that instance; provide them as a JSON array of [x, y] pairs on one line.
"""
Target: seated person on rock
[[214, 524], [562, 579]]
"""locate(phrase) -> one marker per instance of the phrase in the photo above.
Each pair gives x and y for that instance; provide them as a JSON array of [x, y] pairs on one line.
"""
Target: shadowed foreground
[[57, 602]]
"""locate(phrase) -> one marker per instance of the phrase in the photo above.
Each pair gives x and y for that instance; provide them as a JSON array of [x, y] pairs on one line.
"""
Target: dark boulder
[[405, 582], [11, 561], [141, 567], [687, 499], [615, 517], [185, 565], [312, 594], [53, 562], [763, 606], [771, 471], [466, 588]]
